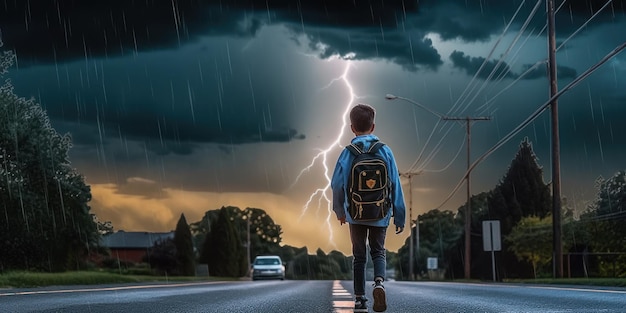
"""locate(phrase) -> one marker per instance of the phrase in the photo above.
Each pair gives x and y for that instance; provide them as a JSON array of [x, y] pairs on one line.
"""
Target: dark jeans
[[360, 234]]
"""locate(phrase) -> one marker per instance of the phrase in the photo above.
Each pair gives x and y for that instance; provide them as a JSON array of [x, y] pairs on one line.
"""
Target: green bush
[[34, 279]]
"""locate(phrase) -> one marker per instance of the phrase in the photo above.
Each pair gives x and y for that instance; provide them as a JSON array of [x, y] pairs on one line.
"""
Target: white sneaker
[[380, 300]]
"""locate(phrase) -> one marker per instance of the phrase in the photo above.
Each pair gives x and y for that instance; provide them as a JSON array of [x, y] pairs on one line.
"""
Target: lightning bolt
[[322, 192]]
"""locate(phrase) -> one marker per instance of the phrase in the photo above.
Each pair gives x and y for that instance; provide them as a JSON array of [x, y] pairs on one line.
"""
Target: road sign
[[491, 236], [432, 263], [491, 242]]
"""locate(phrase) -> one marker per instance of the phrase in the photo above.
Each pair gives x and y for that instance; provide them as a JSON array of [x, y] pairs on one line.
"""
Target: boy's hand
[[399, 229], [342, 220]]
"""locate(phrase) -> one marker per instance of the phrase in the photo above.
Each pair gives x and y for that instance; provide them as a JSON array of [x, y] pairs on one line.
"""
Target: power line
[[534, 115], [471, 87], [606, 217]]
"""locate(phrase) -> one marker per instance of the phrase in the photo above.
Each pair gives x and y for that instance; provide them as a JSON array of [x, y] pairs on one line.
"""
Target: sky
[[186, 106]]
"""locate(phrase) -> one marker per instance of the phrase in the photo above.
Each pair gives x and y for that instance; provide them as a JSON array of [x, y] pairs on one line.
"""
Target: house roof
[[130, 240]]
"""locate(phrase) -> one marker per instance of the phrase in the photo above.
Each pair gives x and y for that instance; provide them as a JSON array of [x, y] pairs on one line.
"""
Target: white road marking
[[342, 299]]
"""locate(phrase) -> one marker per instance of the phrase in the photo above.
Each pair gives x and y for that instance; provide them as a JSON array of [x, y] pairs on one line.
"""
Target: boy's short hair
[[362, 117]]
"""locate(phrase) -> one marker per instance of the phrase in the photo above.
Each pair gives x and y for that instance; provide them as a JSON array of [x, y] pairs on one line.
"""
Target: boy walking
[[366, 193]]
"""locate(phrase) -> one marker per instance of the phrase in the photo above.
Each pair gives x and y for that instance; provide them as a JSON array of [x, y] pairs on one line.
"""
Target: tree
[[265, 235], [344, 262], [222, 249], [103, 228], [610, 202], [480, 212], [604, 223], [325, 266], [302, 265], [531, 240], [200, 229], [46, 221], [439, 232], [520, 193], [184, 248]]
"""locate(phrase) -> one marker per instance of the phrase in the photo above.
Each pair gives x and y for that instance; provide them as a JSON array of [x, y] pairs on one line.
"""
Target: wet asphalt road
[[311, 296]]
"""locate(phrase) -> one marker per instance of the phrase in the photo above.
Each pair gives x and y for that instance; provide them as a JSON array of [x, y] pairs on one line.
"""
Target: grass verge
[[33, 279], [606, 282]]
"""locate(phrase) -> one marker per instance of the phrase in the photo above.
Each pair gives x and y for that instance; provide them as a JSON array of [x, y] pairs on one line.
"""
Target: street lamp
[[410, 175], [468, 120], [394, 97]]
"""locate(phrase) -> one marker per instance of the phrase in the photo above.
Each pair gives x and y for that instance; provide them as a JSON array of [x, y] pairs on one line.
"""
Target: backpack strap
[[375, 146], [357, 149]]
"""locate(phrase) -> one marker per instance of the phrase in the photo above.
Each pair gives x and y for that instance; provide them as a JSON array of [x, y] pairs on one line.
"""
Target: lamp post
[[410, 175], [468, 212]]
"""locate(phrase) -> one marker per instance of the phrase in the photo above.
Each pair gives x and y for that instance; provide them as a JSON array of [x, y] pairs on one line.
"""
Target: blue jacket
[[340, 181]]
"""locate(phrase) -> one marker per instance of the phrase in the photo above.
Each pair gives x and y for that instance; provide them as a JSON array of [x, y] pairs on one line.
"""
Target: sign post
[[491, 242]]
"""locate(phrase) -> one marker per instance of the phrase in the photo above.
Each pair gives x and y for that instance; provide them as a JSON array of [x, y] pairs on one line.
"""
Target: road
[[311, 296]]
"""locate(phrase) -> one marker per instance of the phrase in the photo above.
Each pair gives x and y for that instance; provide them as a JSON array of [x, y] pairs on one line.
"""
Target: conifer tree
[[521, 193], [222, 248], [184, 248]]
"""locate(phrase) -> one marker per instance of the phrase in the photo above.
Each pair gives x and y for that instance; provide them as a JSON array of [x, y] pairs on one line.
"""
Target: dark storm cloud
[[64, 30], [468, 20], [163, 133], [139, 124], [565, 72], [410, 53], [86, 134], [68, 30], [494, 69], [57, 31], [479, 19], [471, 65]]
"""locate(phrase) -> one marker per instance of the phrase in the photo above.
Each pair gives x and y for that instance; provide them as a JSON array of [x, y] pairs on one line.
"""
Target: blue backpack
[[368, 184]]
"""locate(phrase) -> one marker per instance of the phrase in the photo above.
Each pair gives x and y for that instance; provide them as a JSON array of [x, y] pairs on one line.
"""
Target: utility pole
[[410, 175], [557, 263], [468, 212]]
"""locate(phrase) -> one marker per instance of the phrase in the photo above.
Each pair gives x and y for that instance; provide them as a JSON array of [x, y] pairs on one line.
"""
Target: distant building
[[132, 246]]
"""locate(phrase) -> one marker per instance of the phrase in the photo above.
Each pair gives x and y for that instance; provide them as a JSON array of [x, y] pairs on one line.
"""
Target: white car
[[268, 267]]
